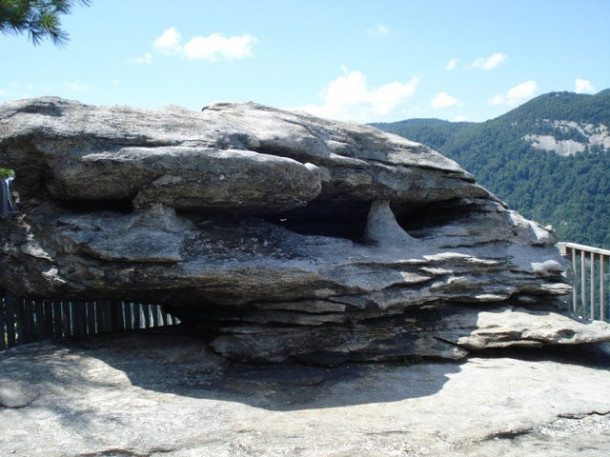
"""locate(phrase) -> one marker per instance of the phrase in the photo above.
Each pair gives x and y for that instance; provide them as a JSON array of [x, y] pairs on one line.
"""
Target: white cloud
[[212, 47], [169, 41], [444, 100], [583, 86], [349, 98], [76, 87], [451, 65], [215, 45], [491, 62], [378, 30], [516, 95], [145, 59], [523, 90], [459, 119]]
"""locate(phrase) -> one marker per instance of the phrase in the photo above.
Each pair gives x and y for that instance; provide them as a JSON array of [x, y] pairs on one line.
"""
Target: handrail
[[589, 280], [582, 247]]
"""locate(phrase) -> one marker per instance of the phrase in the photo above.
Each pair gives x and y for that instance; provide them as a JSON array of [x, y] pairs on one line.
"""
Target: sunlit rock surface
[[275, 235], [164, 395]]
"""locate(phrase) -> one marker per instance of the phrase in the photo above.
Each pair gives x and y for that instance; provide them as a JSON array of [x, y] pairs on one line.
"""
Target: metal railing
[[590, 277]]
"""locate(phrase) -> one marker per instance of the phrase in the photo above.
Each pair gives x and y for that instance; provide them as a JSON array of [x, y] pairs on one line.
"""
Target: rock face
[[167, 396], [276, 235]]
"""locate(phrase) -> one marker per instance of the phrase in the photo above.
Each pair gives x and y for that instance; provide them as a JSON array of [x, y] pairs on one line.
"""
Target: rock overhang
[[265, 225]]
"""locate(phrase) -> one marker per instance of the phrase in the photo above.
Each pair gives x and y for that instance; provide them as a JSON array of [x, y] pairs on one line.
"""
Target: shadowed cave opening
[[338, 220], [327, 218], [348, 220], [83, 206], [419, 221]]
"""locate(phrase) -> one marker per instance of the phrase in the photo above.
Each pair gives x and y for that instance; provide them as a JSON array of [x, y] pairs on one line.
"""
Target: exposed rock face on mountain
[[276, 235], [588, 137]]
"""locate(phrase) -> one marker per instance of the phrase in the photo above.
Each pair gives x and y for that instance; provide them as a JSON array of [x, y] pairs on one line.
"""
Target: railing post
[[3, 337], [583, 283], [592, 285], [574, 278], [602, 288]]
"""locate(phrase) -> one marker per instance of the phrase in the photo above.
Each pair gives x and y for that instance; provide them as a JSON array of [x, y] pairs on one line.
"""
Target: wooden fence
[[25, 321]]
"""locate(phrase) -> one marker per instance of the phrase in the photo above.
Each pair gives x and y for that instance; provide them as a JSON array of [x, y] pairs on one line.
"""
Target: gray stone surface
[[279, 236], [166, 395]]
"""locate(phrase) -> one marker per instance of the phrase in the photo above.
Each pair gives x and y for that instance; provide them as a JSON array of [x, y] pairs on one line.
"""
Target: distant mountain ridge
[[548, 158]]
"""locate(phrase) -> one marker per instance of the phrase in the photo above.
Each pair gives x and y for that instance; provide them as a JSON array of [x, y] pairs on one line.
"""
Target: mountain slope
[[549, 159]]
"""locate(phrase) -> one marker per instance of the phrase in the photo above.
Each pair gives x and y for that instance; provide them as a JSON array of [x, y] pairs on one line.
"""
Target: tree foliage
[[6, 173], [39, 18], [570, 193]]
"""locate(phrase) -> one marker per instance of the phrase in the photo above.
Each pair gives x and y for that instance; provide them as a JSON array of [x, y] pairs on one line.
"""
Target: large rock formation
[[277, 235]]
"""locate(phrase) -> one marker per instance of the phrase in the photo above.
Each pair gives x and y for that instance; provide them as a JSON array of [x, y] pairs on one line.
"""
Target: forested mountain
[[549, 159]]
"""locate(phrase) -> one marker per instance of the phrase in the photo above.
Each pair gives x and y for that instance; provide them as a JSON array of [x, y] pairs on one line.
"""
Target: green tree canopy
[[39, 18]]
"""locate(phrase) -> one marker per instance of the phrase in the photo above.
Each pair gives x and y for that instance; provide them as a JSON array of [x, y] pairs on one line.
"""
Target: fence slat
[[602, 288], [592, 285], [137, 316], [10, 321], [48, 318], [28, 320], [3, 339], [91, 321], [574, 279], [79, 318], [155, 316], [57, 320], [583, 281]]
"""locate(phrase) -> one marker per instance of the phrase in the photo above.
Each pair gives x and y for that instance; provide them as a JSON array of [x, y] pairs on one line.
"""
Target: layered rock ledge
[[276, 235]]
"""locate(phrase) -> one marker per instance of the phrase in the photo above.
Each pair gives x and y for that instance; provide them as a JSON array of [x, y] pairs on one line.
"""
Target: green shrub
[[6, 173]]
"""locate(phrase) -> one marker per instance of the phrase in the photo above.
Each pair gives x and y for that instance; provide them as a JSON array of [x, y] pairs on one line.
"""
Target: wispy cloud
[[145, 59], [583, 86], [451, 65], [349, 97], [76, 87], [444, 100], [378, 30], [516, 95], [212, 47], [491, 62]]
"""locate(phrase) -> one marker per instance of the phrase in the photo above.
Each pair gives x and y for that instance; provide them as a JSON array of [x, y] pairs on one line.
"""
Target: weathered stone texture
[[277, 235], [165, 395]]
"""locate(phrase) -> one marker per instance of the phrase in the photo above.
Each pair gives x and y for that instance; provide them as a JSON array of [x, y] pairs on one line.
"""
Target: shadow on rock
[[174, 363]]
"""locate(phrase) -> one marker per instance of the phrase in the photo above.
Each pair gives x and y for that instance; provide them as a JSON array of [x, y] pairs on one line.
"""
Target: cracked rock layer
[[276, 235]]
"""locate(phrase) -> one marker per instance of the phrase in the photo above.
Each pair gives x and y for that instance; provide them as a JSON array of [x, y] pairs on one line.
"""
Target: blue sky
[[364, 61]]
